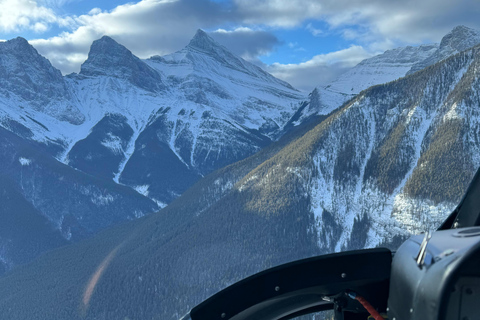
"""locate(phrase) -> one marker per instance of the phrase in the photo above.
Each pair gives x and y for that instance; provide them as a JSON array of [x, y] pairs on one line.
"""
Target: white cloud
[[246, 42], [55, 3], [147, 27], [278, 13], [315, 32], [40, 27], [407, 21], [17, 15], [319, 70]]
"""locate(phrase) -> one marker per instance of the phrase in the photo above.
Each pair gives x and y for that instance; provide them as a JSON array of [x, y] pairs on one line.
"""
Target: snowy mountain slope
[[102, 151], [383, 68], [215, 109], [220, 109], [209, 75], [395, 160]]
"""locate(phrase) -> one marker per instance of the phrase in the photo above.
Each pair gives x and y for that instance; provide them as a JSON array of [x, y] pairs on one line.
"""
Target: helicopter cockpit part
[[303, 287], [431, 277]]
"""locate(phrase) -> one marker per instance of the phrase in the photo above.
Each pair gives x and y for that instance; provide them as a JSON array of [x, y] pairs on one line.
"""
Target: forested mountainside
[[394, 160], [125, 136]]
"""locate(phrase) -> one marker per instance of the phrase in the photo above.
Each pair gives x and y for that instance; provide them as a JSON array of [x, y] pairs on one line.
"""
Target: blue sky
[[305, 42]]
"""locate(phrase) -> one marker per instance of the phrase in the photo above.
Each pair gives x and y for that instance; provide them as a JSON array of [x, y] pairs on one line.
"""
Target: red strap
[[374, 313]]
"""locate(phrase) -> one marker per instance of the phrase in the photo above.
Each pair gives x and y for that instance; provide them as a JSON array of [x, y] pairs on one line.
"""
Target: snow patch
[[416, 216], [243, 186], [113, 143], [143, 190], [101, 200], [24, 161], [452, 113], [159, 203]]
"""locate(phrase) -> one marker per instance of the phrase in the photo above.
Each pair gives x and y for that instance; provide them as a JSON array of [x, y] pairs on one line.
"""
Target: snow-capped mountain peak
[[109, 58], [459, 39], [24, 72], [205, 55], [29, 80], [18, 44], [203, 41]]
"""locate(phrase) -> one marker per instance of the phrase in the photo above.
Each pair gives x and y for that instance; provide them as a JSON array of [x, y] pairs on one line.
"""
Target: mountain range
[[394, 159], [125, 136]]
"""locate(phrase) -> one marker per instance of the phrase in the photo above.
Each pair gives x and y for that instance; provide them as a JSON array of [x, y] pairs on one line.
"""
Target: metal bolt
[[223, 315], [448, 252], [343, 275], [277, 288]]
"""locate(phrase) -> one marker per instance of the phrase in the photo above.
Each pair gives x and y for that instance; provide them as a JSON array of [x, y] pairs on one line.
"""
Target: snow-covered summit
[[25, 72], [204, 55], [459, 39], [385, 67], [201, 41], [29, 80], [18, 44], [109, 58]]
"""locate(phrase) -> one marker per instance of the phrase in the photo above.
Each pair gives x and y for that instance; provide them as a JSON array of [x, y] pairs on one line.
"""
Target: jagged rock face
[[108, 58], [202, 46], [28, 74], [29, 80], [459, 39]]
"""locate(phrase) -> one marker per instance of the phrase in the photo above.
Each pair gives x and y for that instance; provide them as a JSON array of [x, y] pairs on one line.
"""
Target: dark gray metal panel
[[287, 289]]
